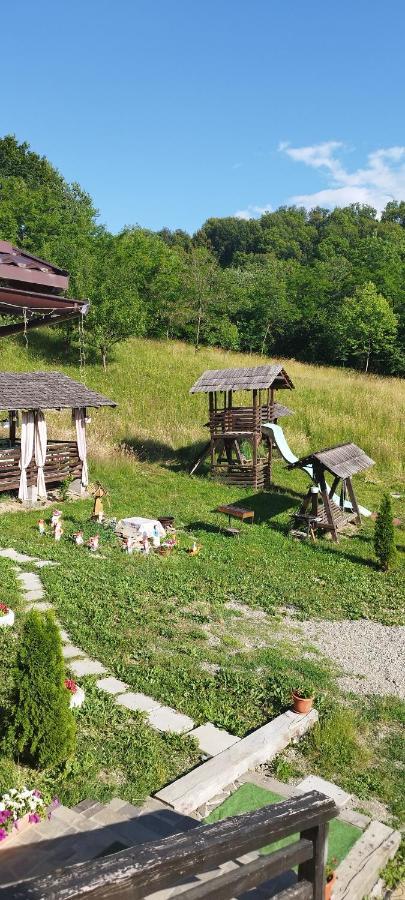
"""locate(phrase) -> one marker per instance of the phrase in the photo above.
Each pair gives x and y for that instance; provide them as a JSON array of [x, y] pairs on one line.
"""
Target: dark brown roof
[[19, 265], [248, 379], [280, 410], [46, 390], [14, 301], [343, 460]]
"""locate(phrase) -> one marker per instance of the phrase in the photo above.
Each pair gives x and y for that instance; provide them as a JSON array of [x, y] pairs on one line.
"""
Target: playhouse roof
[[46, 390], [243, 379], [343, 460]]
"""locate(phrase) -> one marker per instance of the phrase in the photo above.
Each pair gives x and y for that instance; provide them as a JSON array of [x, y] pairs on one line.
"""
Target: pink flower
[[3, 834], [71, 685], [34, 818], [37, 793], [4, 815]]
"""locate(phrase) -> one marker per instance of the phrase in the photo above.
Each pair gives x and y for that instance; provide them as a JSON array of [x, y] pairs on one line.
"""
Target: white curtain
[[40, 442], [81, 443], [27, 449]]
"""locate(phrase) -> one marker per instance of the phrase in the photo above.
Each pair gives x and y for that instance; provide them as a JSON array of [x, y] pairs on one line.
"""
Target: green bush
[[41, 726], [384, 543]]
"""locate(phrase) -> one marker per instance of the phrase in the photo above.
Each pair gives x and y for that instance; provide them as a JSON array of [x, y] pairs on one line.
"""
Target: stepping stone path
[[212, 740]]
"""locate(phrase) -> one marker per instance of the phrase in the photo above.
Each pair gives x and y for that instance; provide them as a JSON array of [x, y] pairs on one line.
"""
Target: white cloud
[[382, 178], [253, 212]]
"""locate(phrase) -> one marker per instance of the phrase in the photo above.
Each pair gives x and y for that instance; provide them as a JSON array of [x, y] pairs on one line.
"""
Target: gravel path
[[371, 654]]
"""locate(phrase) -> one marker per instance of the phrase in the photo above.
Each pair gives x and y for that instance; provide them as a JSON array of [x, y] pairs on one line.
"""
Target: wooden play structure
[[232, 426], [30, 459], [330, 508]]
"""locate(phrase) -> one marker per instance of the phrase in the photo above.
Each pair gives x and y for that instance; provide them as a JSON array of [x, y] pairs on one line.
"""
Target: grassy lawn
[[167, 625]]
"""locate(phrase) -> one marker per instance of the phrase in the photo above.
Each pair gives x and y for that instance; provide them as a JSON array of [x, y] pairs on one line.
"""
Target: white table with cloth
[[139, 526]]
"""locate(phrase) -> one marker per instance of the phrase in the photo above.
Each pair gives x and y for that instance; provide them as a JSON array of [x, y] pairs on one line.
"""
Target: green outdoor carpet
[[249, 796]]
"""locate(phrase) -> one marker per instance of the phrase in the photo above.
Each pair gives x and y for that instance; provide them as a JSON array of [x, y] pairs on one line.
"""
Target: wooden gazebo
[[32, 292], [230, 426], [330, 508], [28, 394]]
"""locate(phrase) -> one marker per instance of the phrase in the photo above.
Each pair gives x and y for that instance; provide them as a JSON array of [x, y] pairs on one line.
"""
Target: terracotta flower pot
[[329, 886], [302, 704]]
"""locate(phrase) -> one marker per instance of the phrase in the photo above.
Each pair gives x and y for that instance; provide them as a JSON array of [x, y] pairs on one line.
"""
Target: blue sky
[[171, 112]]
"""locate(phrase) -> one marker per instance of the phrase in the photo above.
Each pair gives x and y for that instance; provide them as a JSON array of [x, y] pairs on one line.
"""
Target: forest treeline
[[322, 286]]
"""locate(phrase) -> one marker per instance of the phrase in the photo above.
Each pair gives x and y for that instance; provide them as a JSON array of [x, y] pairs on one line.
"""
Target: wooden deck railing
[[62, 461], [135, 873]]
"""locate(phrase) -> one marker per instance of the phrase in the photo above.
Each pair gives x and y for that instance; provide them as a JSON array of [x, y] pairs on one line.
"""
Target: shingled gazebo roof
[[46, 390], [244, 379], [344, 460]]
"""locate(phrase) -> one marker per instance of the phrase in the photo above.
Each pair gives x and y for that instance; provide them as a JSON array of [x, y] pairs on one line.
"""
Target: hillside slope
[[150, 381]]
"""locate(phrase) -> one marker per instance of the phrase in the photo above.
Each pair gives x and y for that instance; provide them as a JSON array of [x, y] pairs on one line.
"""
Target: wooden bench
[[236, 512]]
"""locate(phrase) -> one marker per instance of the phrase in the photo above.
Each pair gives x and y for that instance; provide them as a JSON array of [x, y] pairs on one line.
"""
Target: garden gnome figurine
[[58, 530], [41, 526], [128, 545], [93, 542], [56, 517], [98, 508], [78, 536], [145, 543]]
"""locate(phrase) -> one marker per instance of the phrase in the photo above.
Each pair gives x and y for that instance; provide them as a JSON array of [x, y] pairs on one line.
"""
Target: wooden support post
[[12, 418], [313, 870], [212, 441], [334, 486], [255, 441], [326, 503], [353, 499]]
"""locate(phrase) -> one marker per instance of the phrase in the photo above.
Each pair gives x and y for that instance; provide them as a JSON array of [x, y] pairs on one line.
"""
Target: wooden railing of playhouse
[[239, 420], [62, 461], [135, 873]]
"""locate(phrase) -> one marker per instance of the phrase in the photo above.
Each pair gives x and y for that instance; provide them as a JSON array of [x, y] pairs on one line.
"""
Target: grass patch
[[118, 754], [248, 797]]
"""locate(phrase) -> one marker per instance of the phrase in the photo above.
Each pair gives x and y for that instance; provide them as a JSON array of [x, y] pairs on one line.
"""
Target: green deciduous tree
[[366, 326], [41, 727], [384, 541]]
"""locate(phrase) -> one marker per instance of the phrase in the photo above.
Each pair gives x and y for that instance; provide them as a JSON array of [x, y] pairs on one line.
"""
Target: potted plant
[[330, 879], [303, 697], [76, 693], [6, 615], [20, 808]]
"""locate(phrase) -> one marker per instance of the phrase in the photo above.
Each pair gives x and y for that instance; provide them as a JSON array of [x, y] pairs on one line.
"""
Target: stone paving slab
[[69, 651], [213, 740], [164, 718], [41, 563], [30, 581], [40, 606], [31, 596], [87, 666], [112, 685], [64, 635], [138, 702], [9, 553], [314, 783]]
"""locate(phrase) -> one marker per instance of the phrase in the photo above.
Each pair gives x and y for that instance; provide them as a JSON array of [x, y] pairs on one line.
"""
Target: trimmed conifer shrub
[[41, 728], [384, 542]]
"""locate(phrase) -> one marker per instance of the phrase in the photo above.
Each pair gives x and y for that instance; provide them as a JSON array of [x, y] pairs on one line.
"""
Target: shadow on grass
[[149, 450], [268, 505], [336, 549]]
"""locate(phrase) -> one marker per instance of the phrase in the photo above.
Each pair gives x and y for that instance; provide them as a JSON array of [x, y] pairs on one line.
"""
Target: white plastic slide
[[277, 433]]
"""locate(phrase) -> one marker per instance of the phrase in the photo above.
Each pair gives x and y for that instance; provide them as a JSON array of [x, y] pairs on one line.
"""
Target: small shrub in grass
[[384, 542], [41, 725], [334, 743]]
